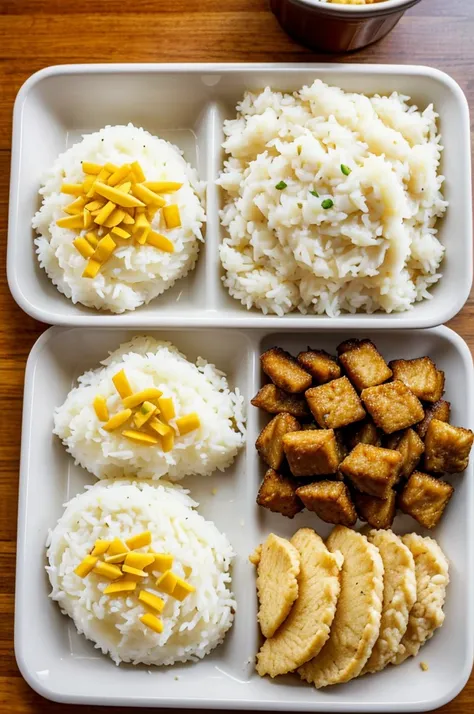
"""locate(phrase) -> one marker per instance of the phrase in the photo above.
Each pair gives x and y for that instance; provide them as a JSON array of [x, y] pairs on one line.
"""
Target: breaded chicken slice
[[432, 578], [278, 567], [356, 624], [399, 596], [307, 627]]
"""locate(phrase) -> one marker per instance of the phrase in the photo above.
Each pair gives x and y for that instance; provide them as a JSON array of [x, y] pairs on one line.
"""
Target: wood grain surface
[[37, 33]]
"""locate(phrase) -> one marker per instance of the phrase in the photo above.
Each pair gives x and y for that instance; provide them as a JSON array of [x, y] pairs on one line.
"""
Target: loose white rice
[[120, 509], [135, 274], [199, 387], [376, 247]]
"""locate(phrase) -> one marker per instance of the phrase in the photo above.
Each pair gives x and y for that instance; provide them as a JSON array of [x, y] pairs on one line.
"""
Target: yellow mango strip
[[90, 168], [159, 427], [152, 622], [167, 582], [113, 194], [103, 175], [117, 547], [100, 408], [145, 413], [134, 571], [119, 175], [140, 540], [121, 384], [91, 269], [167, 441], [87, 218], [146, 395], [187, 570], [167, 408], [120, 233], [117, 420], [162, 186], [171, 216], [125, 186], [105, 248], [139, 560], [162, 562], [75, 207], [120, 586], [151, 211], [86, 566], [91, 238], [72, 189], [188, 423], [84, 247], [115, 218], [182, 590], [128, 220], [148, 197], [111, 168], [152, 600], [95, 205], [87, 184], [115, 559], [100, 547], [138, 171], [141, 209], [104, 213], [139, 437], [160, 242], [112, 572], [141, 229], [70, 222]]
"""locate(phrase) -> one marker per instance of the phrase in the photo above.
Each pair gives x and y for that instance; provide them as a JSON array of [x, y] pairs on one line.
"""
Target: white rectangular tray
[[187, 104], [61, 665]]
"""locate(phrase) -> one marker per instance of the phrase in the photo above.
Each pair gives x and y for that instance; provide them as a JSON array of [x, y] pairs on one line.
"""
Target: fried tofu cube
[[363, 363], [392, 406], [312, 453], [335, 404], [284, 371], [322, 366], [372, 470], [365, 433], [330, 500], [274, 401], [425, 498], [439, 410], [377, 512], [270, 440], [278, 494], [447, 447], [421, 376], [410, 446]]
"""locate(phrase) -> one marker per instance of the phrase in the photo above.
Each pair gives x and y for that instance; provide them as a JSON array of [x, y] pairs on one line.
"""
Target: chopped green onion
[[281, 185], [314, 193], [345, 170], [327, 203]]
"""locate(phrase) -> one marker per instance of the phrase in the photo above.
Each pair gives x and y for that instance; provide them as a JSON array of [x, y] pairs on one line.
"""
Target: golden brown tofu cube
[[447, 447], [330, 500], [372, 470], [278, 494], [365, 433], [335, 404], [311, 453], [392, 406], [274, 401], [439, 410], [410, 446], [421, 376], [377, 512], [270, 440], [284, 371], [425, 498], [321, 365], [363, 363]]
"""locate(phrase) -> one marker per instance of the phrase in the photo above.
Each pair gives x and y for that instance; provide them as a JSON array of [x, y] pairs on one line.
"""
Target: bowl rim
[[379, 7]]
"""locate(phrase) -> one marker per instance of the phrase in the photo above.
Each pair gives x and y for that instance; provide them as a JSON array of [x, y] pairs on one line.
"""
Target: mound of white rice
[[135, 274], [351, 226], [120, 509], [199, 387]]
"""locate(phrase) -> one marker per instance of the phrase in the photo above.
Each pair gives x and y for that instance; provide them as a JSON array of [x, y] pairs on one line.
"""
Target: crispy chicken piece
[[377, 512], [439, 410], [392, 406], [270, 440], [410, 446], [278, 494], [284, 371], [421, 376], [335, 404], [330, 500], [363, 363], [311, 453], [274, 401], [372, 470], [322, 366], [363, 433], [425, 498], [447, 447]]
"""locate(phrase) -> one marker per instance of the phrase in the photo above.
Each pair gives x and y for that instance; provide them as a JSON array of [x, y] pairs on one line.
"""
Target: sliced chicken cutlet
[[432, 578], [278, 567], [307, 627], [356, 624]]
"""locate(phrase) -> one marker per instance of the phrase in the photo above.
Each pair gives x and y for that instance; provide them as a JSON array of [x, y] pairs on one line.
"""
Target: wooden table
[[37, 33]]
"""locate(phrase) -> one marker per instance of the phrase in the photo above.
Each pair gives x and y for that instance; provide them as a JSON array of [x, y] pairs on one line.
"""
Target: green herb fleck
[[300, 205], [345, 170], [327, 203], [314, 193], [299, 150], [281, 185]]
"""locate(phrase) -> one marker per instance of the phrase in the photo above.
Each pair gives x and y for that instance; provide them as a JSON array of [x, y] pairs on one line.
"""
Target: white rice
[[120, 509], [199, 387], [376, 248], [135, 274]]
